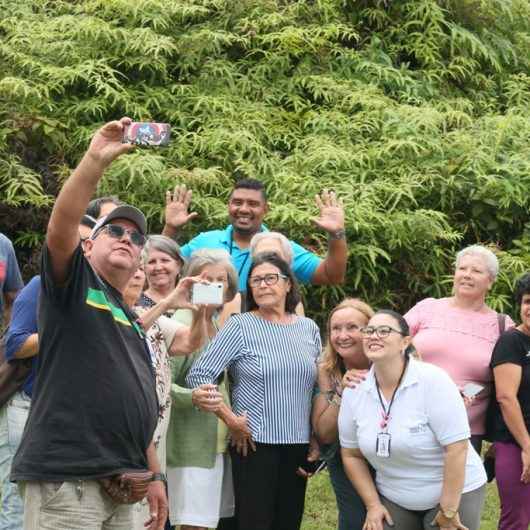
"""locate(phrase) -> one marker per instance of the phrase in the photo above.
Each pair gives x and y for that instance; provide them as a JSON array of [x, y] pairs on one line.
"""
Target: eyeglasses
[[382, 332], [269, 279], [117, 232]]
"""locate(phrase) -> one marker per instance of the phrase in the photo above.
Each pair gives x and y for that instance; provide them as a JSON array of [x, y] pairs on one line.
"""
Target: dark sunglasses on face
[[269, 279], [117, 232], [381, 331]]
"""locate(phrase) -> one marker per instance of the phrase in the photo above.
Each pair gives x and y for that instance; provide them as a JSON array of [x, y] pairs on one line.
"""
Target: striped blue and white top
[[273, 372]]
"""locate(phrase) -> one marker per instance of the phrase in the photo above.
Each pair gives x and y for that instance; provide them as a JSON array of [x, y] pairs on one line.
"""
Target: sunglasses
[[117, 232]]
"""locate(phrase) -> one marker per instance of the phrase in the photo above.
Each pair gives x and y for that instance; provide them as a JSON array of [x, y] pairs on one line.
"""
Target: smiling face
[[472, 278], [116, 258], [345, 336], [246, 210], [269, 296], [379, 349], [161, 270]]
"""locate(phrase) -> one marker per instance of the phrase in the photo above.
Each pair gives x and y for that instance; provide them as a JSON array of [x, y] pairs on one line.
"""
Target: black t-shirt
[[94, 406], [513, 347]]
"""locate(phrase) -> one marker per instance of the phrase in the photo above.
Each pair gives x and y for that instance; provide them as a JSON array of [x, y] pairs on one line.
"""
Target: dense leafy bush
[[415, 111]]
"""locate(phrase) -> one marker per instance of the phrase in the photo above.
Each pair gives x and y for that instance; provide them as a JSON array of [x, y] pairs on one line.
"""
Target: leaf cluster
[[415, 112]]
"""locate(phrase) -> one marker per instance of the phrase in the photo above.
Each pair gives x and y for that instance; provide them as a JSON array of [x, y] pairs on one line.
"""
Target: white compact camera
[[207, 293]]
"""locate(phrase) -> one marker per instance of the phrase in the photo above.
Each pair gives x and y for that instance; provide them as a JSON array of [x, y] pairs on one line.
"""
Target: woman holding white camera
[[199, 471]]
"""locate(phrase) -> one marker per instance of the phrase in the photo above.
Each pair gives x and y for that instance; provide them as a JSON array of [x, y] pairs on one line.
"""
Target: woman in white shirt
[[408, 420]]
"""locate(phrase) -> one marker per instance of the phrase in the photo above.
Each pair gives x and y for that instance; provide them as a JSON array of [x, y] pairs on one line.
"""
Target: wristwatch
[[334, 398], [339, 234], [159, 477], [450, 513]]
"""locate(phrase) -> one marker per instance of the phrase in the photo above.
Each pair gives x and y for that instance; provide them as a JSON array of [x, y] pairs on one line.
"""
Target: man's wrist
[[95, 161], [170, 231], [337, 234], [159, 477]]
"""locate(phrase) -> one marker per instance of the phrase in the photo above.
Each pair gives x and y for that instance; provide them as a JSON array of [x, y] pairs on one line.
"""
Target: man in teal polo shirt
[[247, 207]]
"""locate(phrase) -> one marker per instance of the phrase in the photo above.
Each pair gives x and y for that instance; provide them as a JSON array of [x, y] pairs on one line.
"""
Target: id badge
[[382, 446]]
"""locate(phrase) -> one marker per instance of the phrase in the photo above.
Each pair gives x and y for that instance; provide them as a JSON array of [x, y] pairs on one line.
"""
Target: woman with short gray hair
[[272, 242], [199, 471], [162, 262], [458, 333]]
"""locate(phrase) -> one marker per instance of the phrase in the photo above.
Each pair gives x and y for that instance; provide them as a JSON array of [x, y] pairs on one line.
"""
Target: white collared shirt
[[427, 414]]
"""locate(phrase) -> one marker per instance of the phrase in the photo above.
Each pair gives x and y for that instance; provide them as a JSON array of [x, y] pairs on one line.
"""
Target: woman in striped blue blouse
[[270, 353]]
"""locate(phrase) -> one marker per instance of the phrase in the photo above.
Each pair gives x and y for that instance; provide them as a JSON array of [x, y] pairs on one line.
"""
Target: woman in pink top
[[458, 333]]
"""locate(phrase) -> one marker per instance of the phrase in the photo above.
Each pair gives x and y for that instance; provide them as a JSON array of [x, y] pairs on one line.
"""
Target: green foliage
[[415, 112]]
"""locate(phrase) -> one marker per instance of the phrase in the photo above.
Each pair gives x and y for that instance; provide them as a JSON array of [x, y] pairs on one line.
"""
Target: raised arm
[[190, 339], [176, 212], [178, 298], [62, 236], [332, 270]]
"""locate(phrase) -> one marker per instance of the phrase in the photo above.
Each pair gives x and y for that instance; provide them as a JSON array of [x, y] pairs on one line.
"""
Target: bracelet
[[339, 234], [333, 398], [159, 477]]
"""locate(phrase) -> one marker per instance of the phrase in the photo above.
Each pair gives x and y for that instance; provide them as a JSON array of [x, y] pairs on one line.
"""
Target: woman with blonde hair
[[342, 359]]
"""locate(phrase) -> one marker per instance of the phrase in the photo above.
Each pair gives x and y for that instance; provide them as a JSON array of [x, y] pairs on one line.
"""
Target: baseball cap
[[122, 212]]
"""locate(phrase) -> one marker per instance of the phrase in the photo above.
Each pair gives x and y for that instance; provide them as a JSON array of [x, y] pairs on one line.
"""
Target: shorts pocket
[[53, 494]]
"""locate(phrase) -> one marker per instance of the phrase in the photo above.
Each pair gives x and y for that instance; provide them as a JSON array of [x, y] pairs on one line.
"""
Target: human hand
[[331, 217], [375, 516], [177, 205], [157, 500], [207, 398], [448, 524], [313, 455], [353, 378], [525, 458], [240, 435], [180, 296], [106, 145]]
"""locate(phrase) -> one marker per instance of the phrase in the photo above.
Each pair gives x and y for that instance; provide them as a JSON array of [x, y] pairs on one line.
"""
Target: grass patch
[[321, 509]]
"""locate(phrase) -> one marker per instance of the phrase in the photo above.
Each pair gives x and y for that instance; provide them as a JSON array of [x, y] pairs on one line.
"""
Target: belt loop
[[79, 489]]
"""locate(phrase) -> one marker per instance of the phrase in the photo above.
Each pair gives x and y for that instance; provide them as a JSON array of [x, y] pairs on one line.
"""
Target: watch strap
[[338, 234], [159, 477]]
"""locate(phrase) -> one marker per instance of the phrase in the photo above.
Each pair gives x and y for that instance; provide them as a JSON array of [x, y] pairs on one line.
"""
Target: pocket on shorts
[[53, 493]]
